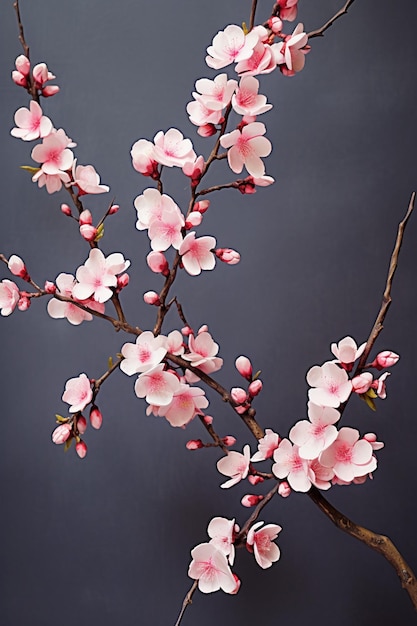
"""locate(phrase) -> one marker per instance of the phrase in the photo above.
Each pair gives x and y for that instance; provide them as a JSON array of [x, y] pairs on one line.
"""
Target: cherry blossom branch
[[186, 602], [386, 299], [241, 537], [32, 89], [320, 31], [252, 14], [380, 543]]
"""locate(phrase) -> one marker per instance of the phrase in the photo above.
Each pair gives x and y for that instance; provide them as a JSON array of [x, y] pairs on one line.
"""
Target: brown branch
[[380, 543], [241, 538], [32, 91], [252, 14], [319, 32], [186, 602]]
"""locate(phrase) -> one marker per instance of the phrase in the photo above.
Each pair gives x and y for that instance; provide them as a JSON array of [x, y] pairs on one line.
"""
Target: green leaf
[[67, 444], [110, 362], [100, 232], [258, 373], [245, 28], [368, 401], [30, 169], [60, 419]]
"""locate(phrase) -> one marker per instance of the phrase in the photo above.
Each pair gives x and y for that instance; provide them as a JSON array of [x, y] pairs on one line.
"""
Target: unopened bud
[[227, 255], [208, 420], [22, 64], [151, 297], [96, 418], [251, 500], [241, 409], [113, 209], [207, 130], [201, 206], [40, 74], [255, 480], [81, 449], [246, 186], [239, 395], [275, 24], [229, 440], [49, 287], [85, 217], [19, 79], [244, 367], [361, 383], [23, 303], [88, 232], [81, 424], [193, 220], [157, 263], [50, 90], [187, 331], [122, 281], [255, 387], [284, 489], [194, 444], [66, 210], [17, 267], [385, 359], [61, 433]]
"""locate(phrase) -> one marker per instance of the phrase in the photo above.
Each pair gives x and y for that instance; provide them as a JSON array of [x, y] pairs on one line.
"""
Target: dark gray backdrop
[[107, 540]]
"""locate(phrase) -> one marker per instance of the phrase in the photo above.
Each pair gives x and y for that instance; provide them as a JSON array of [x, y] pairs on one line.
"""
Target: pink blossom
[[166, 230], [288, 464], [246, 100], [157, 386], [288, 9], [380, 387], [172, 150], [227, 255], [61, 433], [153, 207], [222, 533], [244, 367], [372, 439], [53, 182], [246, 147], [209, 566], [290, 53], [332, 385], [348, 456], [262, 540], [235, 465], [261, 61], [197, 253], [203, 351], [200, 115], [385, 359], [175, 343], [215, 94], [316, 435], [17, 267], [77, 393], [144, 355], [362, 382], [346, 351], [322, 475], [87, 179], [31, 123], [74, 314], [284, 489], [230, 45], [98, 274], [186, 403], [53, 153], [266, 446], [143, 158], [9, 297]]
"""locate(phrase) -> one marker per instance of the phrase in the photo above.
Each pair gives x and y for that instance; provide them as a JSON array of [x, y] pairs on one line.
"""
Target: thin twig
[[32, 91], [187, 601], [241, 538], [320, 31], [252, 14]]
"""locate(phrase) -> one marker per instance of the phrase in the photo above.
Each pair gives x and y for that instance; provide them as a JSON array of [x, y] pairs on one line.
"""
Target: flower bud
[[207, 130], [50, 90], [194, 444], [193, 220], [227, 255], [275, 24], [122, 281], [40, 74], [86, 217], [255, 387], [17, 267], [237, 587], [113, 209], [361, 383], [229, 440], [23, 303], [81, 449], [66, 210], [284, 489], [251, 500], [246, 186], [255, 480], [151, 297], [61, 433], [187, 331], [241, 409], [208, 420], [22, 64], [81, 424], [88, 232], [49, 287], [239, 395], [96, 418], [157, 263], [385, 359], [244, 367], [201, 206], [19, 79]]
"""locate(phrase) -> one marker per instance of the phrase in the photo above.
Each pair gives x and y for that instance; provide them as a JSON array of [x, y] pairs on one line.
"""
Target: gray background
[[107, 540]]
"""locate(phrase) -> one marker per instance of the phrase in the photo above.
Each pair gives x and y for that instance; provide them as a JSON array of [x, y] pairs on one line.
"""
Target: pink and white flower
[[166, 230], [203, 351], [171, 149], [289, 464], [222, 532], [262, 541], [266, 446], [385, 359], [230, 46], [209, 566], [246, 100], [9, 297], [98, 275], [346, 352], [74, 314], [197, 253], [261, 61], [144, 355], [186, 403], [87, 179], [235, 465], [332, 385], [143, 157], [157, 386], [287, 9], [290, 54], [215, 94], [314, 436], [31, 123], [78, 393], [52, 182], [53, 153], [246, 147], [380, 386], [349, 457]]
